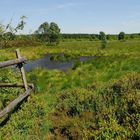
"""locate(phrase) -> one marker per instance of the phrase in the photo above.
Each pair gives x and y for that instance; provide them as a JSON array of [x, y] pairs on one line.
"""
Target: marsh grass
[[35, 119]]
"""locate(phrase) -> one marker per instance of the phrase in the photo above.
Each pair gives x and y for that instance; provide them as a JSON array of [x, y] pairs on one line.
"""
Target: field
[[96, 99]]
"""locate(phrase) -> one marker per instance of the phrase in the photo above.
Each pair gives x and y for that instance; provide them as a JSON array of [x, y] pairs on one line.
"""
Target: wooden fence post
[[20, 66]]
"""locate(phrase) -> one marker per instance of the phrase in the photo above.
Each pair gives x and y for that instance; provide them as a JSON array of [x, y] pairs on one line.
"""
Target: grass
[[70, 48], [76, 48], [34, 119]]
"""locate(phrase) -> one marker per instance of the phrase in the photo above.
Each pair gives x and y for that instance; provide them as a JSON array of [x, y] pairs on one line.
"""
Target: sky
[[75, 16]]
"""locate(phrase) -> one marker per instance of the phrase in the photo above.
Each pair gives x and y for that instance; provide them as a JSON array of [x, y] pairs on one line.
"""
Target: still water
[[46, 62]]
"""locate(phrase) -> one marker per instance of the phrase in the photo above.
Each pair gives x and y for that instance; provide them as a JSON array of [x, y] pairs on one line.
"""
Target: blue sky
[[75, 16]]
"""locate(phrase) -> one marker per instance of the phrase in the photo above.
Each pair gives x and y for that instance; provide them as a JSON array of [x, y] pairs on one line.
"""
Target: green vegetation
[[121, 36], [48, 33], [109, 113], [97, 99], [103, 40], [8, 32]]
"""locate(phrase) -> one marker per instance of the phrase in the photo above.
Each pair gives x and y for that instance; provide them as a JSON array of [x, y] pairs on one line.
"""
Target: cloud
[[56, 7], [66, 5]]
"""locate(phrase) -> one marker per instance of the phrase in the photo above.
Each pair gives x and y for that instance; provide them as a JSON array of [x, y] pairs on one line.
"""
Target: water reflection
[[46, 62]]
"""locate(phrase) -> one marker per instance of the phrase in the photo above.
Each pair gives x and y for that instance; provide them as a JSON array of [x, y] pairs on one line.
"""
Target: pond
[[47, 62]]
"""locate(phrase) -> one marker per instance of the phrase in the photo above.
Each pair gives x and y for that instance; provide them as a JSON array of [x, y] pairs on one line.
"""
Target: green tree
[[54, 33], [121, 36], [44, 28], [132, 36], [1, 31], [102, 36], [21, 24], [8, 32], [49, 33], [103, 43], [103, 40], [43, 32], [108, 37]]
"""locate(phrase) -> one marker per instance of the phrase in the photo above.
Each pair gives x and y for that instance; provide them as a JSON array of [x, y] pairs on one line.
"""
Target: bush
[[110, 112], [121, 36]]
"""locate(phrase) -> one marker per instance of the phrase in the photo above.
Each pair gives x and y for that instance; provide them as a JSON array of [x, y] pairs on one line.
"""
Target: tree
[[121, 36], [54, 33], [92, 36], [103, 40], [43, 32], [108, 37], [21, 24], [1, 31], [103, 45], [44, 28], [8, 32], [132, 36], [102, 36], [49, 33]]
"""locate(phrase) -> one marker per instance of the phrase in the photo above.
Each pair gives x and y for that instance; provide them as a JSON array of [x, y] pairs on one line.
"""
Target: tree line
[[120, 36], [49, 33]]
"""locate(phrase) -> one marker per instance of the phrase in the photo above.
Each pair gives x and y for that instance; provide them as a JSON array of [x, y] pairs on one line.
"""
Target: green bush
[[110, 112]]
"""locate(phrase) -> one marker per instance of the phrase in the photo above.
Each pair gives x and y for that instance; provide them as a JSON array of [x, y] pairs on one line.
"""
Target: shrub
[[110, 112], [121, 36]]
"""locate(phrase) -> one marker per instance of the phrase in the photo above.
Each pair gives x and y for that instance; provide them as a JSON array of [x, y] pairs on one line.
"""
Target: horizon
[[72, 17]]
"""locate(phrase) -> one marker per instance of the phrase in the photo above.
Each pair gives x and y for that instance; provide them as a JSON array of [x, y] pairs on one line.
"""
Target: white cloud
[[66, 5], [57, 7]]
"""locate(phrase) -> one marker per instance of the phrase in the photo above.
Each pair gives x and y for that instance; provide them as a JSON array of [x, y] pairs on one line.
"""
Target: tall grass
[[42, 117]]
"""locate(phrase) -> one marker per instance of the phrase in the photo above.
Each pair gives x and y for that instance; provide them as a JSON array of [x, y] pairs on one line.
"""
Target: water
[[45, 62]]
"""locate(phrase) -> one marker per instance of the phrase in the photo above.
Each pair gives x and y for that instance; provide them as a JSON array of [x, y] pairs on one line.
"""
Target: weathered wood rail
[[15, 85], [28, 87], [12, 62]]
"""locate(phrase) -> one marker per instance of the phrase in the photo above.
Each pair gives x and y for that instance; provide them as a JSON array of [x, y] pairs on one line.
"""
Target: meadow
[[96, 99]]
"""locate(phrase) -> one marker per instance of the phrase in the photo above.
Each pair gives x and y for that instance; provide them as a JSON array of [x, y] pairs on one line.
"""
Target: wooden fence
[[28, 87]]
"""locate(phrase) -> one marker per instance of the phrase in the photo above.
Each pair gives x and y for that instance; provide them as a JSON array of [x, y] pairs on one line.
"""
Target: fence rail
[[12, 62], [28, 87], [15, 85]]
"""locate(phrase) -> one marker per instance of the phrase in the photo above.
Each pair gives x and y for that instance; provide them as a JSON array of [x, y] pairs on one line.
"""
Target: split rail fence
[[20, 61]]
